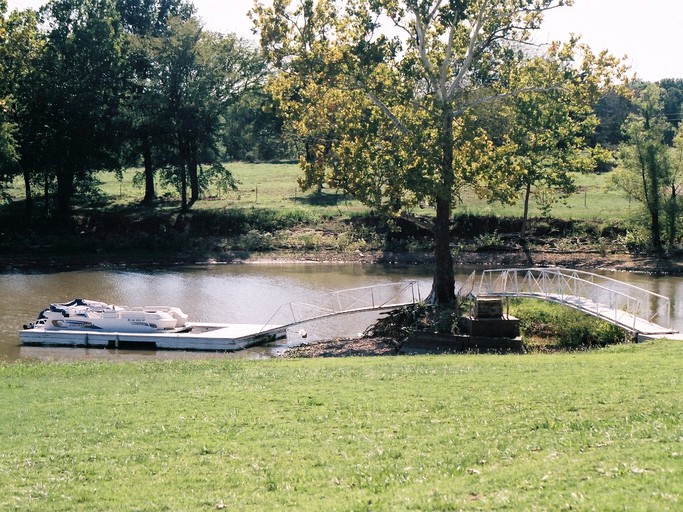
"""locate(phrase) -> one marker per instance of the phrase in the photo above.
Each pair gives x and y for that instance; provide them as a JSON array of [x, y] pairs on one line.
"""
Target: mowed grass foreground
[[599, 430]]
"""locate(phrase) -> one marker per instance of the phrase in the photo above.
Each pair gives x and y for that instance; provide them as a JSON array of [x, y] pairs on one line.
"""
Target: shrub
[[564, 326], [255, 241]]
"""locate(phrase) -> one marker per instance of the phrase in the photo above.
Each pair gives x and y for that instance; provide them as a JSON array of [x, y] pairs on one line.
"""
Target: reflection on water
[[249, 293], [212, 293]]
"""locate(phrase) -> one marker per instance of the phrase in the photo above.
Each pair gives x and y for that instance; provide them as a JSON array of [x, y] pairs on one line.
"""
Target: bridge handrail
[[539, 274], [560, 271], [595, 285], [337, 309], [612, 306]]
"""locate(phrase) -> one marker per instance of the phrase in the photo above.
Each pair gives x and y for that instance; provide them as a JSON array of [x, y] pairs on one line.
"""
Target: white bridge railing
[[354, 300], [631, 307]]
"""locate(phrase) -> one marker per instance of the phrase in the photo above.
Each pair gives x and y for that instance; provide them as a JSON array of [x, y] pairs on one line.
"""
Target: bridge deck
[[632, 308], [618, 317]]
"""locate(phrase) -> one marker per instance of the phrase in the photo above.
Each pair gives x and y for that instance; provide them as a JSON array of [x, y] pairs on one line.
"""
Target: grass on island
[[597, 430]]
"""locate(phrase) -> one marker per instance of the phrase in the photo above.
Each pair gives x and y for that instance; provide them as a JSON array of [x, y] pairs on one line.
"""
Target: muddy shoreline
[[497, 258]]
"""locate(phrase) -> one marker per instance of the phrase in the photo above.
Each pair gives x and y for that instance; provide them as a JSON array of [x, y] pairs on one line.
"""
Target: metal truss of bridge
[[634, 309], [355, 300]]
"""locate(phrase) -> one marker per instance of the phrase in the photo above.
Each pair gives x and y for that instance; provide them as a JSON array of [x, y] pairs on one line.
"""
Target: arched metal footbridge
[[634, 309], [630, 307], [350, 301]]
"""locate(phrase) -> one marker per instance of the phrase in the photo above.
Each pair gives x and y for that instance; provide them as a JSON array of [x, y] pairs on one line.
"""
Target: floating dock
[[195, 336]]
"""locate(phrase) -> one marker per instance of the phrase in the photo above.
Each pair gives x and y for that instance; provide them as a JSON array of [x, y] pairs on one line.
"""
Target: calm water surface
[[223, 293], [213, 293]]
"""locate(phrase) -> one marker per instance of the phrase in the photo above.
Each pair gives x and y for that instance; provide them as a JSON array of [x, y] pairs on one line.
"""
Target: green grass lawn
[[598, 430], [274, 185]]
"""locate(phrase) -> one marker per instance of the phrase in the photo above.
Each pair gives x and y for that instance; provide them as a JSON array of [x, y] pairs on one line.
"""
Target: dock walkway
[[630, 307]]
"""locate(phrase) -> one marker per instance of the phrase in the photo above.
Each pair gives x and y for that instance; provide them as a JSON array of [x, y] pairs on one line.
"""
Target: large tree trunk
[[525, 215], [443, 286], [193, 171], [673, 216], [183, 187], [46, 192], [65, 190], [184, 162], [654, 203], [150, 192], [525, 224]]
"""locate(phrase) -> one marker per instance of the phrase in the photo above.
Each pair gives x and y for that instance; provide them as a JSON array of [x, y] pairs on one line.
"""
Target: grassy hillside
[[583, 431], [275, 186]]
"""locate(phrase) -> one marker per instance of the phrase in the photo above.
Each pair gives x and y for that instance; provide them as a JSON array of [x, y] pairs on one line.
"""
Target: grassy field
[[273, 185], [596, 430]]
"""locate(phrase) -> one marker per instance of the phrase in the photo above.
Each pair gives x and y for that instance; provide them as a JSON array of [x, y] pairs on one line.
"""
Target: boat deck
[[201, 336]]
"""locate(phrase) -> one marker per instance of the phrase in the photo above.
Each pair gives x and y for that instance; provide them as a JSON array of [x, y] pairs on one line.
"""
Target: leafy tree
[[645, 166], [551, 126], [18, 43], [145, 23], [77, 88], [20, 48], [8, 142], [672, 99], [200, 75], [393, 120], [253, 131], [674, 183]]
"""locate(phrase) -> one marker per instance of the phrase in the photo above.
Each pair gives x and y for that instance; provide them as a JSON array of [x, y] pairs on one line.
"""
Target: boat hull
[[196, 336]]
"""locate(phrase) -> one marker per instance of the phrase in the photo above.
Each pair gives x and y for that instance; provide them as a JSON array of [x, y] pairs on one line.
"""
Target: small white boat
[[82, 314], [87, 323]]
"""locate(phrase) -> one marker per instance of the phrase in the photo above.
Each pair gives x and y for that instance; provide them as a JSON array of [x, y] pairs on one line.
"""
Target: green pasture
[[598, 430], [274, 185]]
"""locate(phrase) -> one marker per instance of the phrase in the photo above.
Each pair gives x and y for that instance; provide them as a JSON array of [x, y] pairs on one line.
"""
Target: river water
[[250, 293]]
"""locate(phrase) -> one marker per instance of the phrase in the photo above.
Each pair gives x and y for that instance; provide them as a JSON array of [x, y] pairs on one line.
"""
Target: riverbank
[[44, 260]]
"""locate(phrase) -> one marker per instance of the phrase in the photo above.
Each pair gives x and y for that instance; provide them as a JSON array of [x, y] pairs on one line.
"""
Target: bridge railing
[[353, 300], [593, 293]]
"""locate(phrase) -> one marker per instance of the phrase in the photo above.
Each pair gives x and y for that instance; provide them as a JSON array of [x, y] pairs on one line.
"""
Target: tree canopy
[[92, 85], [387, 99]]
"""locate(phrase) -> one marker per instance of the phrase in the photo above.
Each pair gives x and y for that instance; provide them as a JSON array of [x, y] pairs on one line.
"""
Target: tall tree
[[145, 24], [78, 89], [396, 121], [200, 74], [645, 166], [551, 126], [21, 45], [8, 143]]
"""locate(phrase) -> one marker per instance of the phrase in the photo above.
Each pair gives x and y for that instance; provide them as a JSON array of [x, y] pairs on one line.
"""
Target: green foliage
[[569, 328], [647, 172], [398, 121], [254, 241], [488, 240], [634, 240], [597, 430]]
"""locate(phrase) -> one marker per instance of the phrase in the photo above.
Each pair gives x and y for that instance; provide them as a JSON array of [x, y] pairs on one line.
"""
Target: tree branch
[[469, 56], [422, 223], [501, 96], [387, 112]]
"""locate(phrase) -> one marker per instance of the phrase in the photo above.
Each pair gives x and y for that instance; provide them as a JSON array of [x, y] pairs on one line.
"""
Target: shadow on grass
[[323, 199]]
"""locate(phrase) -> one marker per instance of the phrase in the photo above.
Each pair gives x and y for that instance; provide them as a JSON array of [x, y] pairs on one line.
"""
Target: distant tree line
[[92, 85], [103, 85]]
